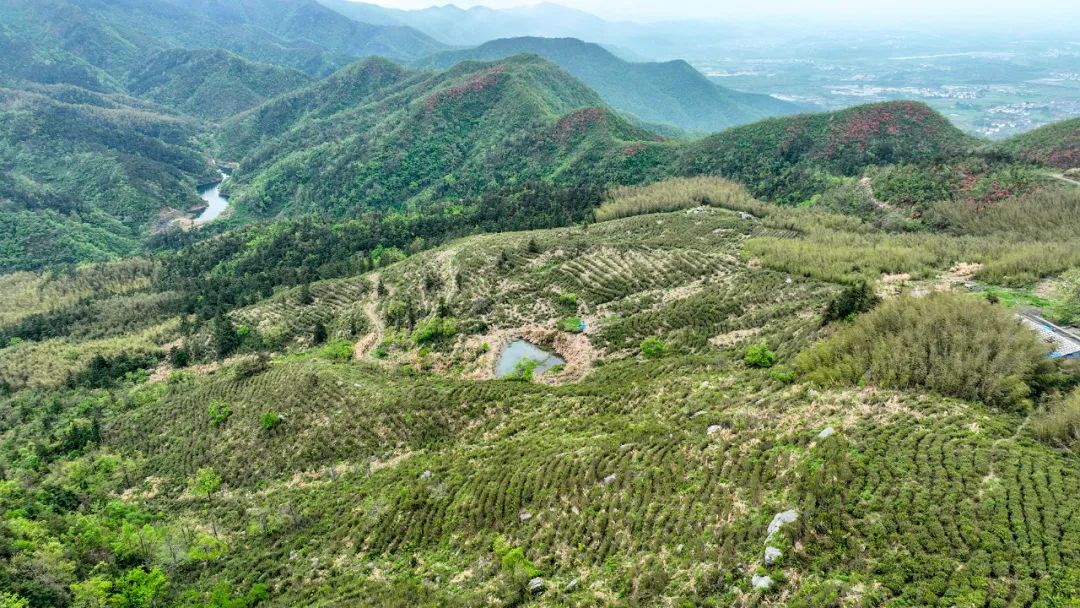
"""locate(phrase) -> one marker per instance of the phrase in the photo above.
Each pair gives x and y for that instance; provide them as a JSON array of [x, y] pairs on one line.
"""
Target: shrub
[[251, 367], [338, 350], [219, 412], [435, 330], [673, 195], [572, 325], [652, 347], [950, 343], [1059, 422], [783, 375], [568, 299], [270, 421], [523, 370], [759, 355], [854, 299]]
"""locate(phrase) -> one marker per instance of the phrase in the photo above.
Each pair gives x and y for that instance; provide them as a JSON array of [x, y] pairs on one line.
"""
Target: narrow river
[[216, 204]]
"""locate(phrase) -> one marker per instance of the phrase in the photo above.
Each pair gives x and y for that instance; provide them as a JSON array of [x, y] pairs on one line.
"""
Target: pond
[[215, 203], [520, 350]]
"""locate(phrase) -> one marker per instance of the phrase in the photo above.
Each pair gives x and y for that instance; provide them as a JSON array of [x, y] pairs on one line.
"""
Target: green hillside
[[672, 92], [82, 174], [424, 137], [790, 159], [95, 43], [1055, 145], [385, 466], [210, 84]]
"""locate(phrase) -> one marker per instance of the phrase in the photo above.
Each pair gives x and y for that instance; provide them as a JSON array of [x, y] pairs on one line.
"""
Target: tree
[[319, 334], [304, 296], [854, 299], [226, 341], [140, 589], [205, 483]]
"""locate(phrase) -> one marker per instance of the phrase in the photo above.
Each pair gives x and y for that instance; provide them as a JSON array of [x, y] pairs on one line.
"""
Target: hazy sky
[[645, 10]]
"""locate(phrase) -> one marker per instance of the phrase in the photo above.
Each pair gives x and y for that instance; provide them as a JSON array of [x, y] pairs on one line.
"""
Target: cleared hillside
[[386, 467]]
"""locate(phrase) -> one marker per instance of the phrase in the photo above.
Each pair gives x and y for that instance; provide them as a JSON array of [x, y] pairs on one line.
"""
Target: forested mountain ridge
[[672, 92], [83, 173], [95, 43], [789, 159], [432, 136], [210, 84]]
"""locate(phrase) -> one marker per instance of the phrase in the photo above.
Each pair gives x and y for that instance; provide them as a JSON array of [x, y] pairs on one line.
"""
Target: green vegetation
[[210, 84], [652, 347], [759, 355], [270, 421], [672, 195], [1055, 145], [672, 92], [219, 412], [952, 344], [788, 160], [407, 455]]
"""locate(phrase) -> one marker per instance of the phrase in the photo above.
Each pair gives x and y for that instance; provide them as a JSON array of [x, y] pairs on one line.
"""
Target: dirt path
[[1061, 178], [369, 341], [867, 186]]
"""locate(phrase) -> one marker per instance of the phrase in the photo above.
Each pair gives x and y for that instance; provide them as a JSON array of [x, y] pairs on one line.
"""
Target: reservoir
[[216, 204]]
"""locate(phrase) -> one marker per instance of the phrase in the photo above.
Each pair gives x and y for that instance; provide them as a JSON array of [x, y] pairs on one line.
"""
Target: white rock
[[524, 516], [761, 582], [536, 584], [714, 429], [827, 432], [771, 555], [609, 479], [425, 475], [782, 519]]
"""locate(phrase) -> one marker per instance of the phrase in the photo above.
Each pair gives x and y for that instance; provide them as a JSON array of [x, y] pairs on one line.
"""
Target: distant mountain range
[[95, 43], [470, 27], [672, 92]]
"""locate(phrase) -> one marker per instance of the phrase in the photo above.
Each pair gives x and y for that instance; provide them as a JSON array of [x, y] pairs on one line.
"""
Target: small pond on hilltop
[[520, 350]]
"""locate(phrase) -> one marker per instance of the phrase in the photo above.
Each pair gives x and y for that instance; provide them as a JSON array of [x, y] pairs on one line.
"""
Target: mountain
[[376, 136], [95, 43], [83, 173], [210, 84], [1055, 145], [790, 159], [480, 24], [671, 92]]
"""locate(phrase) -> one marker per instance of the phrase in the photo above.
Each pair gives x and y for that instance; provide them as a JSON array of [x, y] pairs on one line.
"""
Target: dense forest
[[778, 365]]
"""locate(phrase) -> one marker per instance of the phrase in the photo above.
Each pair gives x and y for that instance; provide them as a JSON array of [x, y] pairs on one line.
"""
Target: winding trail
[[363, 347]]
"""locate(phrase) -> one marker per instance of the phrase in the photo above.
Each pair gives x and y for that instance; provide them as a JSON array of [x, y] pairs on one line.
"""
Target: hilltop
[[672, 92], [210, 84], [1055, 145], [788, 159]]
